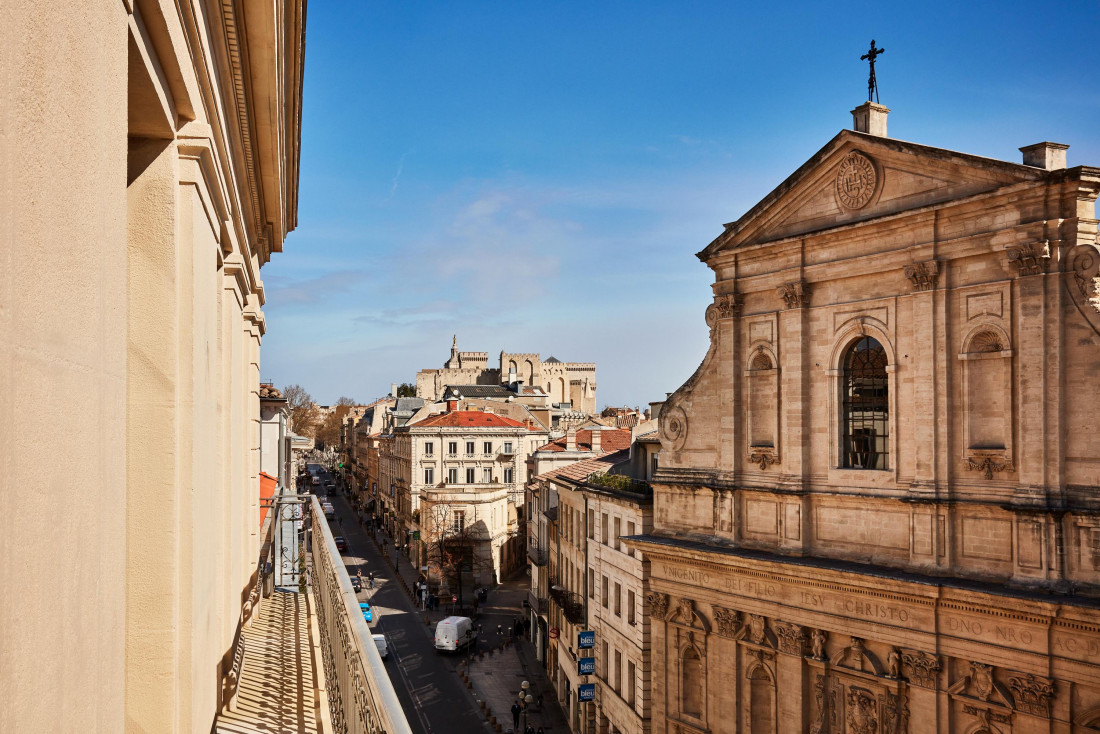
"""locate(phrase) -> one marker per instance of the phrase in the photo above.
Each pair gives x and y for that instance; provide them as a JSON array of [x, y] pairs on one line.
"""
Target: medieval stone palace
[[877, 509]]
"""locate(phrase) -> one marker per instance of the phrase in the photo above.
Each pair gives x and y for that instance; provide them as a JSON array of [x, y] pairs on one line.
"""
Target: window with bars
[[865, 406]]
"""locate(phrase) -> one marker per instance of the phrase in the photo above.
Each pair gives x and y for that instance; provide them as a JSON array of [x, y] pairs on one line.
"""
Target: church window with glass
[[865, 406]]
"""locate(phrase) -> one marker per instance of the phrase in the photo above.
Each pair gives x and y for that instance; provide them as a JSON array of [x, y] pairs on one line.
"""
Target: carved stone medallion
[[673, 426], [855, 181]]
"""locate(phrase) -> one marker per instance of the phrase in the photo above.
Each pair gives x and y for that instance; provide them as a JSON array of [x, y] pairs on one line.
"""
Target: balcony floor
[[278, 690]]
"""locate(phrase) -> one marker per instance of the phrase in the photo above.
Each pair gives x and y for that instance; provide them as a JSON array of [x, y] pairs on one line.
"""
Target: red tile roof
[[581, 470], [610, 440], [467, 419]]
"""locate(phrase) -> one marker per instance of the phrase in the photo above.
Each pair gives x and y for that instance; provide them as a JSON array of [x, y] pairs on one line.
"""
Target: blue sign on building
[[586, 639], [586, 666], [586, 692]]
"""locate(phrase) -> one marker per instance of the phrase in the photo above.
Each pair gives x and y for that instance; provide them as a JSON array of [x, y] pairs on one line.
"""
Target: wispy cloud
[[299, 292], [400, 168]]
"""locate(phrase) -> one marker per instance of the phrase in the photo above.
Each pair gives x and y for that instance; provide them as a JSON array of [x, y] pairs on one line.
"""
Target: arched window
[[691, 683], [865, 406]]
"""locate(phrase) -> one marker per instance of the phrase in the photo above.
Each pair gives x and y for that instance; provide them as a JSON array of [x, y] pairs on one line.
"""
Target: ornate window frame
[[854, 329]]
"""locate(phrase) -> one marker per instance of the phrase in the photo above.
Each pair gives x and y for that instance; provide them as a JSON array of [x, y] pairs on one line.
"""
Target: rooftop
[[467, 419], [580, 470], [610, 440]]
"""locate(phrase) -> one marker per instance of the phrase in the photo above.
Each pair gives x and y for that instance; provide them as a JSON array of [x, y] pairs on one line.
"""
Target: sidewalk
[[496, 679]]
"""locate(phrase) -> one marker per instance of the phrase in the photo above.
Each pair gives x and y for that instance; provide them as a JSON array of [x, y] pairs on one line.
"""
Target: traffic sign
[[586, 692], [586, 666], [454, 598], [554, 632], [586, 639]]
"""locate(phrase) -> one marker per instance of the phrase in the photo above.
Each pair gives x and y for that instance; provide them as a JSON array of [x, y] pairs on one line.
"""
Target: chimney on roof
[[1048, 156], [393, 389], [597, 445], [512, 375], [452, 405], [571, 439], [870, 118]]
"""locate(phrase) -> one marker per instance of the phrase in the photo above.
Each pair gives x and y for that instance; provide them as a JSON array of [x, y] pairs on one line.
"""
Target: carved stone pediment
[[854, 178], [684, 614], [981, 684], [857, 657]]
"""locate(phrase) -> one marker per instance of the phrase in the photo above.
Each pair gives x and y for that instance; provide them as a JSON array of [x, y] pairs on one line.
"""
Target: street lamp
[[525, 699]]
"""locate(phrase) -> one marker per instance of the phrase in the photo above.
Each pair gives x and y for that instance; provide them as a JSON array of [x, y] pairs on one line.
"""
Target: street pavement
[[430, 684], [427, 683]]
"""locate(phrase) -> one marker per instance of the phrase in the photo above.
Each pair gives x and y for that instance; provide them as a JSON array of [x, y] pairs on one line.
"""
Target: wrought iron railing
[[361, 698], [570, 603], [537, 555]]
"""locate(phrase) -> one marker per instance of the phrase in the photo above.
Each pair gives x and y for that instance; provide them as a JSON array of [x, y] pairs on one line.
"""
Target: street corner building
[[877, 506], [150, 169]]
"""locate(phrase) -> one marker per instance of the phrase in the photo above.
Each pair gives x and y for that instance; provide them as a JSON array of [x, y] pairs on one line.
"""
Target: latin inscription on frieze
[[998, 632], [1076, 646], [849, 605]]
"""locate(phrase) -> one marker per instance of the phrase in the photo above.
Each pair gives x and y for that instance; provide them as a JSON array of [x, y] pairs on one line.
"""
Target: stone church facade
[[877, 509]]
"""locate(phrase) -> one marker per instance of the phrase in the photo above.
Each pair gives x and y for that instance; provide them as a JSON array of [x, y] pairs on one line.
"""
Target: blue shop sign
[[586, 692], [586, 666], [586, 639]]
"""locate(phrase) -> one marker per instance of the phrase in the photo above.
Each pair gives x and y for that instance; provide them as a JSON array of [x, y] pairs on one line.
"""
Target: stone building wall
[[144, 191], [930, 569]]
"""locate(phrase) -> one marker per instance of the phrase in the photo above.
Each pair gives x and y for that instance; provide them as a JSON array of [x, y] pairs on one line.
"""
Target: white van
[[380, 643], [454, 633]]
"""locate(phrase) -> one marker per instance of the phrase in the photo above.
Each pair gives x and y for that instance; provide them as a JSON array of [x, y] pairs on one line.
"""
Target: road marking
[[408, 685]]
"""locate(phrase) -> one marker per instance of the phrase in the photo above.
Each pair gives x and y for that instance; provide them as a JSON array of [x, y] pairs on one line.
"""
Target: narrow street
[[427, 683]]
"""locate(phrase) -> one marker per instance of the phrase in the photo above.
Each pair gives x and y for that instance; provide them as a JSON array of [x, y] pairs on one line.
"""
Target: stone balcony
[[304, 660]]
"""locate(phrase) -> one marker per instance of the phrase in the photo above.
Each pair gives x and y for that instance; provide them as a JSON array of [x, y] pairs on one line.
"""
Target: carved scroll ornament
[[658, 604], [1032, 694]]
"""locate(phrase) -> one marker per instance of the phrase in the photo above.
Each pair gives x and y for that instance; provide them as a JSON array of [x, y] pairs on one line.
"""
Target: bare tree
[[328, 433], [303, 411], [457, 543]]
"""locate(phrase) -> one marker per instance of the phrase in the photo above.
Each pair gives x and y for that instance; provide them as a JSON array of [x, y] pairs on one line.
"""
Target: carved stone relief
[[792, 638], [795, 294], [658, 604], [920, 668], [763, 456], [922, 275], [856, 180], [727, 621], [1032, 694], [1030, 259], [987, 463]]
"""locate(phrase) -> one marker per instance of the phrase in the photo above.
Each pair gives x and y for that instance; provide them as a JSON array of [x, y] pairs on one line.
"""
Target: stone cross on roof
[[872, 83]]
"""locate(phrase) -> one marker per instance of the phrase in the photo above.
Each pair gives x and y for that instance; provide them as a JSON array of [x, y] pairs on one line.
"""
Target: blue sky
[[537, 177]]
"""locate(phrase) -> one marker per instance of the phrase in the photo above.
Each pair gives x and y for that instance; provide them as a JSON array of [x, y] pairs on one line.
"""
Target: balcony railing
[[539, 604], [537, 555], [571, 604], [360, 695]]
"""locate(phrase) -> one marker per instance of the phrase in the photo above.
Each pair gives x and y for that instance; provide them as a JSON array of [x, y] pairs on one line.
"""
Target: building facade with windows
[[463, 471], [876, 507]]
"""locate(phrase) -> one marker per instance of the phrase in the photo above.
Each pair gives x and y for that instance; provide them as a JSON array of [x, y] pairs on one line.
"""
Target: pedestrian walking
[[515, 715], [370, 579]]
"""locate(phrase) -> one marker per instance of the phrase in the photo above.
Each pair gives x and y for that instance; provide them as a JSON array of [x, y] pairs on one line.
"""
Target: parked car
[[356, 584], [341, 544], [368, 614], [380, 643]]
